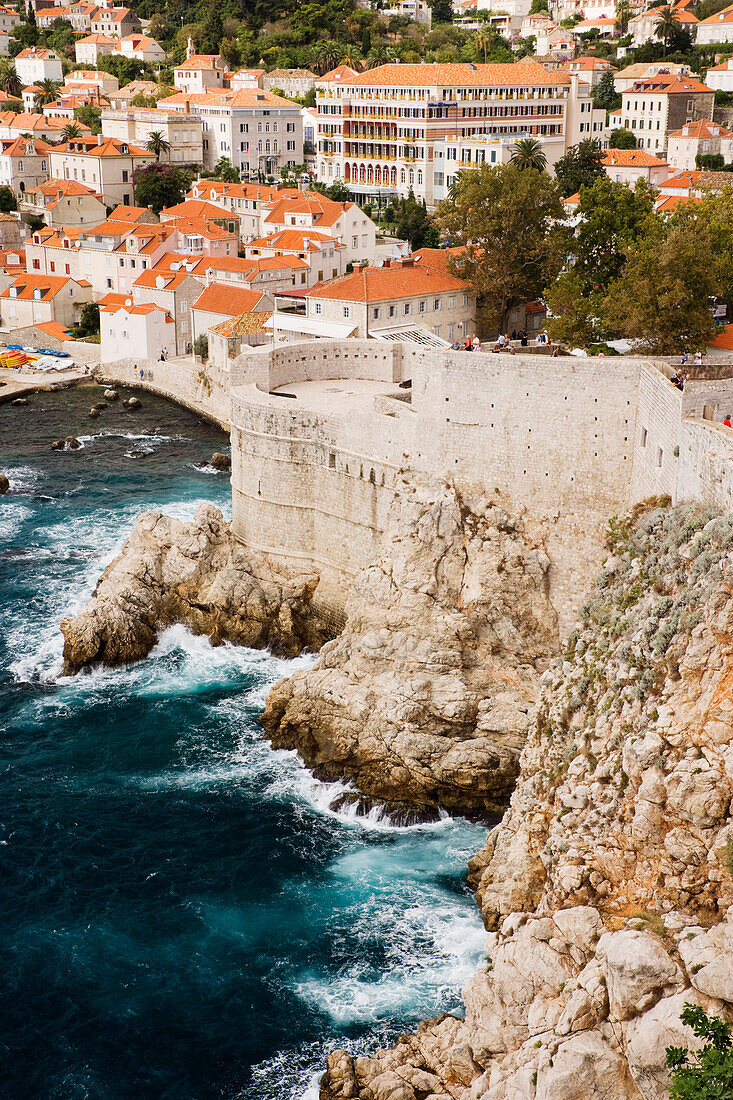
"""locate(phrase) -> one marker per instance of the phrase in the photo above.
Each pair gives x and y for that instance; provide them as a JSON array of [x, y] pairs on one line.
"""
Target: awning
[[414, 334], [309, 326]]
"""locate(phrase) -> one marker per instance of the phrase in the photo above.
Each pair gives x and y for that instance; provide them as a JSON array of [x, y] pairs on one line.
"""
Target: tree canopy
[[159, 185], [706, 1074], [508, 219], [580, 166]]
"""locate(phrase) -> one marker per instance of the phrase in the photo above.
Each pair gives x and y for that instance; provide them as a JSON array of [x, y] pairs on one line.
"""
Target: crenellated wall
[[571, 440]]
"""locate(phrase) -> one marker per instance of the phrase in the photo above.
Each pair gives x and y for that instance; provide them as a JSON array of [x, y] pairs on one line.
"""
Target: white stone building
[[103, 163], [32, 299], [720, 77], [701, 138], [200, 73], [377, 132], [24, 163], [654, 107], [34, 65], [183, 132], [296, 82], [63, 202], [129, 331], [717, 28], [256, 130], [89, 50], [629, 165]]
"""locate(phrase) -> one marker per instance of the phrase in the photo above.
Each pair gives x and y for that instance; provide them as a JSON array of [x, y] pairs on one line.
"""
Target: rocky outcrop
[[194, 573], [608, 886], [426, 697]]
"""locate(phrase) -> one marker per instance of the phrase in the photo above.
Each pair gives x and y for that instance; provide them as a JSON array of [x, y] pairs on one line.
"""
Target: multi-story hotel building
[[377, 130]]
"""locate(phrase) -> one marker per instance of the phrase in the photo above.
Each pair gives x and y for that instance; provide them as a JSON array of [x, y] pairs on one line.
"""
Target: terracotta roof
[[49, 285], [519, 74], [254, 191], [702, 128], [173, 279], [34, 121], [245, 325], [62, 187], [201, 61], [324, 212], [96, 40], [54, 328], [437, 259], [114, 299], [723, 67], [341, 72], [227, 97], [139, 309], [201, 227], [665, 204], [381, 284], [18, 147], [128, 213], [34, 52], [295, 240], [105, 147], [724, 339], [631, 158], [669, 84], [197, 208], [588, 63], [228, 299], [136, 87]]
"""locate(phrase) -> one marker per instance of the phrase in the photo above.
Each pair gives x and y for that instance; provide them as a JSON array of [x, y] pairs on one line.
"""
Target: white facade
[[698, 139], [24, 164], [720, 77], [34, 65], [106, 166], [184, 133], [136, 332], [377, 132], [717, 29]]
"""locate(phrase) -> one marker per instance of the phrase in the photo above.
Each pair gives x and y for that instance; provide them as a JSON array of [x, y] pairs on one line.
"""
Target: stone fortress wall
[[571, 440]]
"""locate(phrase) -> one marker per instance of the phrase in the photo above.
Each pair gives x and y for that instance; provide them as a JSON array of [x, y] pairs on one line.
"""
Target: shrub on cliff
[[705, 1074]]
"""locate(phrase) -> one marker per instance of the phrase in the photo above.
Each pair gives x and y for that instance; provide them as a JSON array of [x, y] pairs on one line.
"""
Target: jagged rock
[[4, 484], [194, 573], [94, 413], [428, 694], [608, 885], [221, 461], [132, 403], [99, 405], [111, 395], [20, 401], [72, 443]]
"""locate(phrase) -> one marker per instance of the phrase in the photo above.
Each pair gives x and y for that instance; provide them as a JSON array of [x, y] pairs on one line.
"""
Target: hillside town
[[169, 202]]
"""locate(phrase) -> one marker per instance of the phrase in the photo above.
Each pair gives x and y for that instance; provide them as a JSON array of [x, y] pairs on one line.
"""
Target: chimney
[[386, 263], [408, 262]]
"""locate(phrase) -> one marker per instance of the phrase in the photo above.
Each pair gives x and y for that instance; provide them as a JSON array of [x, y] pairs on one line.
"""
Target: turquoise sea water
[[180, 913]]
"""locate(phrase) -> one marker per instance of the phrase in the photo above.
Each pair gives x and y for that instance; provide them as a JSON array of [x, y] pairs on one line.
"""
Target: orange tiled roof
[[96, 40], [104, 147], [128, 213], [296, 240], [62, 187], [381, 284], [724, 340], [631, 158], [702, 128], [197, 208], [669, 84], [201, 227], [228, 299], [340, 73], [519, 74], [173, 279], [55, 329], [724, 16], [245, 325], [18, 147], [27, 284], [201, 61], [227, 97]]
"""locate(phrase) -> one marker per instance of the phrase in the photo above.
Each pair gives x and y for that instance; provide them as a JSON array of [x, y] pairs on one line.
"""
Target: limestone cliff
[[608, 886], [194, 573], [427, 696]]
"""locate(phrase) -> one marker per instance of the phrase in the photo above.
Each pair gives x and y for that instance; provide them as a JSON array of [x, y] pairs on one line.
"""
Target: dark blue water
[[180, 914]]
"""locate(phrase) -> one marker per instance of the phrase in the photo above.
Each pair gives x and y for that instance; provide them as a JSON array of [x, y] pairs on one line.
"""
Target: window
[[319, 307], [52, 265], [67, 269], [407, 309], [125, 176], [36, 265], [437, 303], [393, 311], [422, 306], [451, 303], [346, 312], [465, 299], [660, 456], [375, 312]]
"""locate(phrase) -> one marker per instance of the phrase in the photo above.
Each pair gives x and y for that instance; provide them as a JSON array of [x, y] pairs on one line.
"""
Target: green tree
[[10, 82], [159, 185], [509, 221], [483, 41], [662, 299], [230, 50], [623, 14], [90, 116], [413, 221], [622, 139], [538, 6], [47, 92], [88, 324], [666, 26], [125, 69], [224, 170], [157, 144], [580, 166], [605, 96], [611, 218], [715, 211], [573, 315], [442, 11], [8, 200], [201, 345], [705, 1074], [528, 153], [70, 131]]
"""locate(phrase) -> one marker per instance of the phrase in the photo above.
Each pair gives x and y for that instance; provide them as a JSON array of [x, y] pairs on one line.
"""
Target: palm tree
[[379, 55], [70, 131], [623, 12], [483, 40], [47, 92], [157, 144], [10, 82], [666, 26], [351, 57], [328, 55], [528, 154]]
